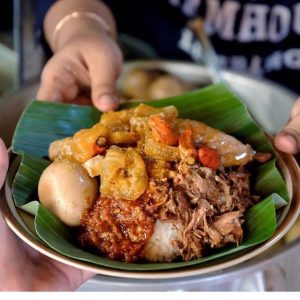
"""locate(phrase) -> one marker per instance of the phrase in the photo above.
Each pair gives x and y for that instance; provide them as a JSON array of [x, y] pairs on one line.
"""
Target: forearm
[[75, 27]]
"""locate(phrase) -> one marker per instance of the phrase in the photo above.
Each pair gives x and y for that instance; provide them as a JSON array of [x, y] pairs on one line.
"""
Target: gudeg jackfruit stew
[[143, 185]]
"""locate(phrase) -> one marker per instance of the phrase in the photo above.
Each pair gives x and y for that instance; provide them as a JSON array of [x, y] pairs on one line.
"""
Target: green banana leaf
[[260, 225], [42, 123], [27, 177], [269, 180]]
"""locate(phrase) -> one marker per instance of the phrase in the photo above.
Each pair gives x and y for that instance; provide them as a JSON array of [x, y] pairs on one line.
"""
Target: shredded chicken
[[210, 206]]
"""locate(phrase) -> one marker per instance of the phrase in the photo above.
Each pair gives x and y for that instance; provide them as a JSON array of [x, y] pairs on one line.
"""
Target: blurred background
[[21, 56]]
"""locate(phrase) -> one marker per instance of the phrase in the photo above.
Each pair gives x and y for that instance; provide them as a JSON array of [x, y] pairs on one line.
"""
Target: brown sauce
[[119, 229]]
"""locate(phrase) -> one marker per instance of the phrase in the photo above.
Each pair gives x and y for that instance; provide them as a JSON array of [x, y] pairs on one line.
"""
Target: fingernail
[[108, 102], [288, 143], [291, 140]]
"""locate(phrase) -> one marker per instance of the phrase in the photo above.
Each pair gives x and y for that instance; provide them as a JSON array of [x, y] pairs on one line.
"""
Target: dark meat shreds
[[119, 229], [239, 183], [222, 193], [177, 208], [210, 207], [229, 225], [192, 243], [198, 184]]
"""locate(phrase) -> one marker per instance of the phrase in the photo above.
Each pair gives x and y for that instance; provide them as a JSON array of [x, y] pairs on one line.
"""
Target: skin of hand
[[3, 162], [23, 268], [85, 62], [85, 56], [288, 139]]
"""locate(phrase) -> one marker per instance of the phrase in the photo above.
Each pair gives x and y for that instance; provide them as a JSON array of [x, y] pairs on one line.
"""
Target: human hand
[[88, 60], [3, 162], [24, 269], [288, 139]]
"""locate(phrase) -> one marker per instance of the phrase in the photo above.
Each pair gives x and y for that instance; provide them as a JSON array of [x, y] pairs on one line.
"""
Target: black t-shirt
[[261, 38]]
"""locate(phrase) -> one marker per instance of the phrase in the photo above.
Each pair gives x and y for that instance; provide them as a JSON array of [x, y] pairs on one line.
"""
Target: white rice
[[162, 246]]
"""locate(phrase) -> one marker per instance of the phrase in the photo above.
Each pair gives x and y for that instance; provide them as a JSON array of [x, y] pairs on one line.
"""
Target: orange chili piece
[[186, 141], [209, 157], [162, 130]]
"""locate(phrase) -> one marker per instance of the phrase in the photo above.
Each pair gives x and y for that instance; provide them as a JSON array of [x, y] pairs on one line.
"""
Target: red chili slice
[[209, 157]]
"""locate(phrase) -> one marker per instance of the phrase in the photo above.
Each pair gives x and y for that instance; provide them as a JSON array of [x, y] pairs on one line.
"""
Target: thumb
[[103, 78], [288, 140], [3, 162], [106, 101]]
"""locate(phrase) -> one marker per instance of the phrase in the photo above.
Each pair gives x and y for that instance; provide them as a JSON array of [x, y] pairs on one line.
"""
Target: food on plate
[[152, 84], [136, 83], [167, 86], [159, 188], [66, 189]]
